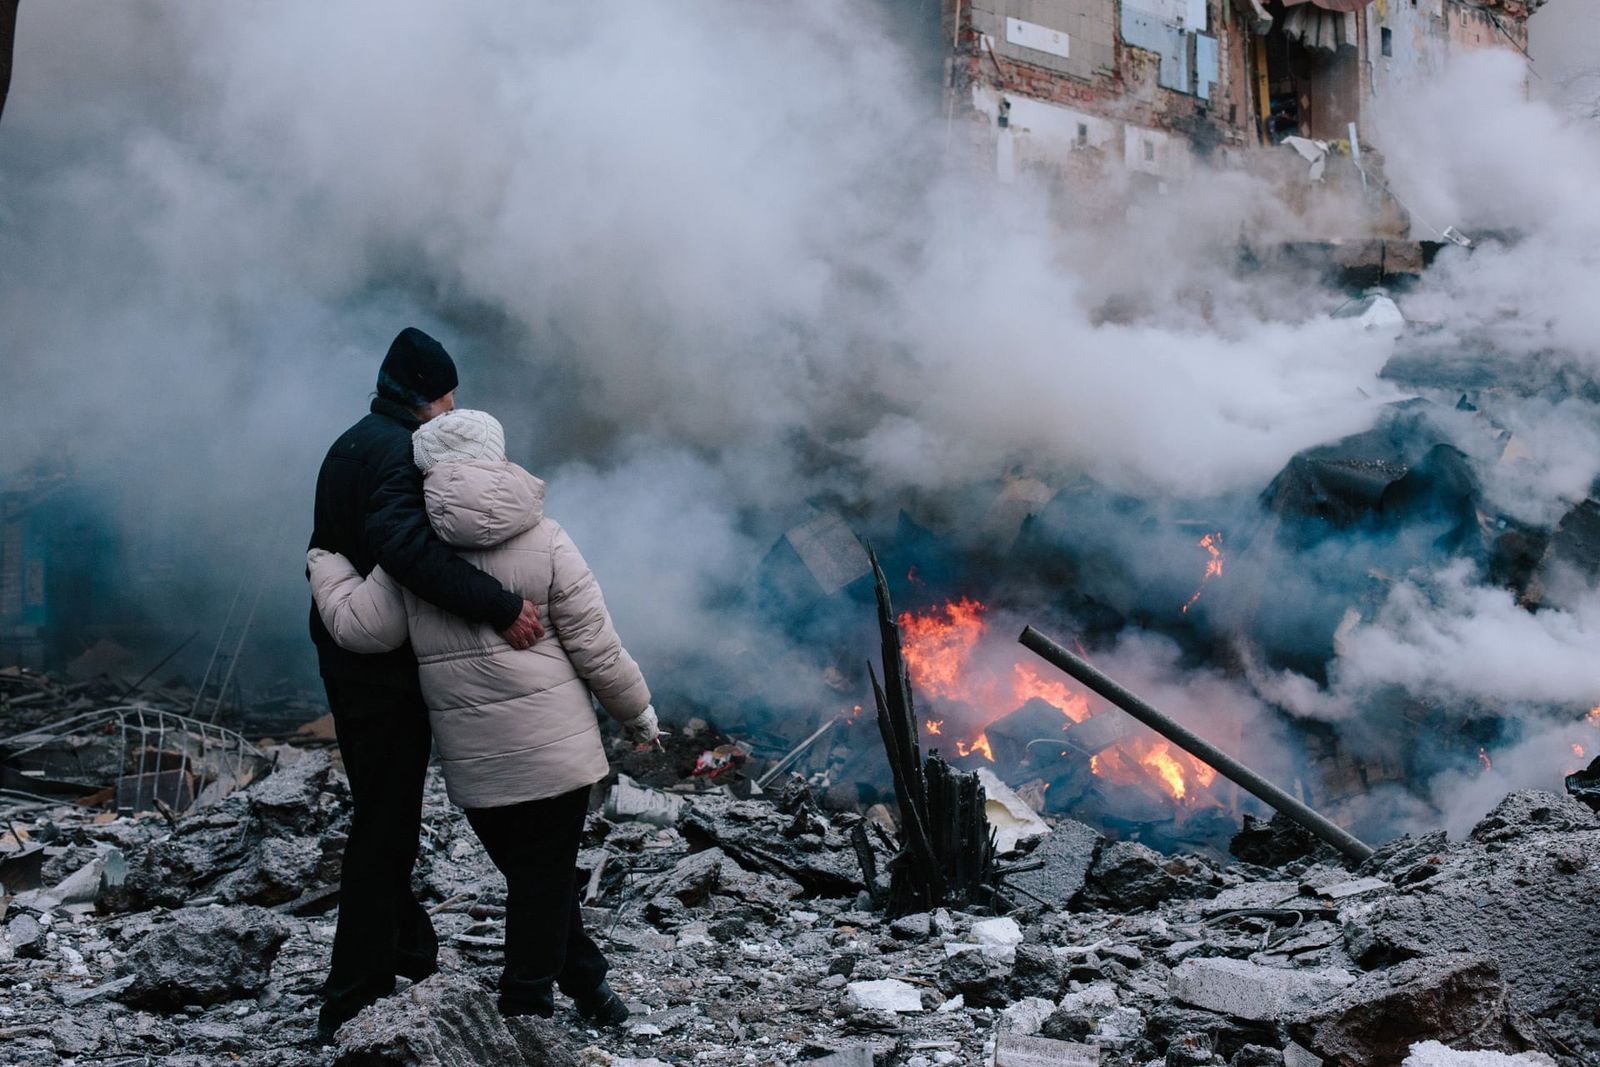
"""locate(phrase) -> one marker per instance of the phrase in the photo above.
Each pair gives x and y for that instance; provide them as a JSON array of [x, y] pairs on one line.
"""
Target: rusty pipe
[[1196, 746]]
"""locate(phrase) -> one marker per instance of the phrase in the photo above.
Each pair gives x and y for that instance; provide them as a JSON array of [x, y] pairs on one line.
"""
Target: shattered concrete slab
[[1064, 859], [1249, 991], [1020, 1050], [886, 994]]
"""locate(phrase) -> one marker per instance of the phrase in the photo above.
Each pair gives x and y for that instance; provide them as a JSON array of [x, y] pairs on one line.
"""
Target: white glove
[[643, 730]]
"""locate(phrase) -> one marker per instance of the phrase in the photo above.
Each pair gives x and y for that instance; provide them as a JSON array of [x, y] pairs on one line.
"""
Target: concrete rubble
[[743, 931]]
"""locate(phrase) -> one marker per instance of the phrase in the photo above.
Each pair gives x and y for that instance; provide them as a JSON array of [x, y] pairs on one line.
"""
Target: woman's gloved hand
[[644, 729]]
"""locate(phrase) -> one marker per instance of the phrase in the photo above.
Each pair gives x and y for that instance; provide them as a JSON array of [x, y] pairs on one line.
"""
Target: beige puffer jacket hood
[[510, 726]]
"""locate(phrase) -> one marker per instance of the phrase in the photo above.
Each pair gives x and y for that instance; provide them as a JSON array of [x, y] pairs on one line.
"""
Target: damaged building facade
[[1075, 91]]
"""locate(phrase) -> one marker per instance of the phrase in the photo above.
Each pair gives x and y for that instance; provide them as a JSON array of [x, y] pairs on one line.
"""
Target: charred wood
[[946, 847]]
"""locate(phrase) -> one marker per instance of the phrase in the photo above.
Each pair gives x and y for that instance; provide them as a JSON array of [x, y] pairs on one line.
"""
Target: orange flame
[[1577, 749], [1483, 758], [949, 657], [937, 645], [1212, 543], [1160, 761], [979, 747], [1594, 715], [1027, 684]]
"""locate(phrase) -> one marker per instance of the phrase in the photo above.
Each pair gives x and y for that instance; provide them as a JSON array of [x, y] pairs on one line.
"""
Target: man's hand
[[526, 630]]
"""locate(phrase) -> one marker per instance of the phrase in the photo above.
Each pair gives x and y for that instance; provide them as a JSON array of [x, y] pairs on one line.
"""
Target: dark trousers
[[383, 931], [535, 845]]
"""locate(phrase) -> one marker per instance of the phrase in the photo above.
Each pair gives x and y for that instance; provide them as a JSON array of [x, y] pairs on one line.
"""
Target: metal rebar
[[1196, 746]]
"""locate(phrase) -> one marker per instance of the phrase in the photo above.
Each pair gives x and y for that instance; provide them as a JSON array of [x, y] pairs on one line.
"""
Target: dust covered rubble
[[742, 932]]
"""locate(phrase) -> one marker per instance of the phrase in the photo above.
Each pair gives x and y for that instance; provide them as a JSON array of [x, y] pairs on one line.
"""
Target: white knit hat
[[462, 434]]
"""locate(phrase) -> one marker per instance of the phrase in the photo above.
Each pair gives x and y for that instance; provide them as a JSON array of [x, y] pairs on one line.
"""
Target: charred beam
[[1196, 746]]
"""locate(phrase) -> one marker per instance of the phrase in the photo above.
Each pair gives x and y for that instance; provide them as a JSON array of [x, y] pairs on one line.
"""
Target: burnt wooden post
[[946, 845]]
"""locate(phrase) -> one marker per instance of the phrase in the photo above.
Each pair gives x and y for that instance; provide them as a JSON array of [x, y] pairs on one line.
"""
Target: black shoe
[[602, 1007], [540, 1003], [335, 1013], [416, 969]]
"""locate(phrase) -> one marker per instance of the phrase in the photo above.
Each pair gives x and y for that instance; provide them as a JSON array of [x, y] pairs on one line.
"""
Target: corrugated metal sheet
[[1206, 66]]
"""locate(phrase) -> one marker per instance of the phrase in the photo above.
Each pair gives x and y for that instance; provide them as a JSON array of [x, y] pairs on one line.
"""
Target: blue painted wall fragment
[[1206, 69], [1166, 39]]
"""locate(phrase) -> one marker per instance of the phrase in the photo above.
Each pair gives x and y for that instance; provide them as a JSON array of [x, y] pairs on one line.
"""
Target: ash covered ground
[[743, 931]]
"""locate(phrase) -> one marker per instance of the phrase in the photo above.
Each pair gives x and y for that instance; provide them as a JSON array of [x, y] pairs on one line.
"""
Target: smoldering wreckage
[[170, 883]]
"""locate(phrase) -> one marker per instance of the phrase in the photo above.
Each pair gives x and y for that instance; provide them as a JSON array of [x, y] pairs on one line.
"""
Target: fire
[[938, 645], [1171, 769], [1483, 758], [1212, 543], [951, 657], [1027, 684], [1577, 749], [1594, 715], [979, 746], [1166, 768]]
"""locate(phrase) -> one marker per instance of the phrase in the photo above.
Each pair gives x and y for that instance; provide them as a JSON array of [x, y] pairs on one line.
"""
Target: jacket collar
[[382, 405]]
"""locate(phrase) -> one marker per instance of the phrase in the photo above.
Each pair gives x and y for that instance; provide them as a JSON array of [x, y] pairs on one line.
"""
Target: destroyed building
[[1077, 92], [1012, 869]]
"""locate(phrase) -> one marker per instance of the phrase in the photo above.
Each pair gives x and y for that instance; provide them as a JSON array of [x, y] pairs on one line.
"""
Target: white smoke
[[705, 263]]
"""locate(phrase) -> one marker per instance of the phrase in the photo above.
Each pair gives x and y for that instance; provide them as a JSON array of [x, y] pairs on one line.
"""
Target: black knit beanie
[[417, 371]]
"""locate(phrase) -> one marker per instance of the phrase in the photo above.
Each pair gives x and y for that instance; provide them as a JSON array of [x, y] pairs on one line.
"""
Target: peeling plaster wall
[[1423, 35], [1088, 25]]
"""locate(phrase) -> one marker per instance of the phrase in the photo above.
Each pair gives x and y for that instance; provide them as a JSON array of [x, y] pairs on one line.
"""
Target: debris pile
[[750, 930]]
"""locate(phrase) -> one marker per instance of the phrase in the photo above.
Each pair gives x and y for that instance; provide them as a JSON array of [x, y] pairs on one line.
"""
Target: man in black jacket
[[369, 509]]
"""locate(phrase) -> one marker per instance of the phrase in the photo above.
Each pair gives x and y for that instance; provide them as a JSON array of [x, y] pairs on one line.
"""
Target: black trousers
[[383, 931], [535, 845]]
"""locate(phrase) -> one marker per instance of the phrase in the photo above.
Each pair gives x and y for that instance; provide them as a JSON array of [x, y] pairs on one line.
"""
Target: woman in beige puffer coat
[[516, 731]]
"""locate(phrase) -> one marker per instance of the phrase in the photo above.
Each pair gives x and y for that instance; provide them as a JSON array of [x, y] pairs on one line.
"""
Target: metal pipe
[[794, 754], [1196, 746]]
